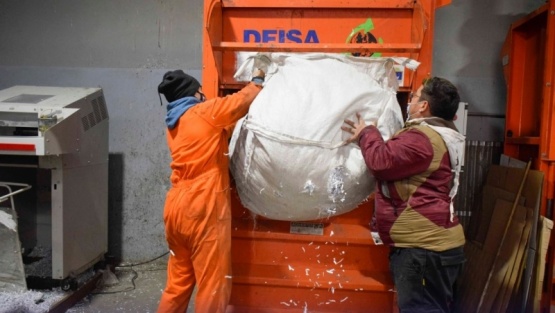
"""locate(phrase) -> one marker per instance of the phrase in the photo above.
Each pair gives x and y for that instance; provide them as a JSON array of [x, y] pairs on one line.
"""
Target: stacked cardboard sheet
[[499, 244]]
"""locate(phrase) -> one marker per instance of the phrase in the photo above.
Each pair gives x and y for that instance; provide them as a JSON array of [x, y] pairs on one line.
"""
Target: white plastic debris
[[7, 220]]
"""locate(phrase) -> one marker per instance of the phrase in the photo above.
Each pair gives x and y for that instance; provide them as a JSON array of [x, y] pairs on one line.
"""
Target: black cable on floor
[[156, 258], [135, 275]]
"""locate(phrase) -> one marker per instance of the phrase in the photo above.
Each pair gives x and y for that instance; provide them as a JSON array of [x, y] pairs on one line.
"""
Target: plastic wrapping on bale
[[289, 158]]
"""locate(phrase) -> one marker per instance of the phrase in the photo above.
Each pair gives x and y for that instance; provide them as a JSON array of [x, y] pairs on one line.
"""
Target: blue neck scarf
[[177, 108]]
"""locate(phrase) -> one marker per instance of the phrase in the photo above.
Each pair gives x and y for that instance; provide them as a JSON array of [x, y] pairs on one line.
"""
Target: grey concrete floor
[[129, 289]]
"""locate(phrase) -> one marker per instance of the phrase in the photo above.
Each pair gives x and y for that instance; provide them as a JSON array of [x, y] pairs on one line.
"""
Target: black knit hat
[[176, 85]]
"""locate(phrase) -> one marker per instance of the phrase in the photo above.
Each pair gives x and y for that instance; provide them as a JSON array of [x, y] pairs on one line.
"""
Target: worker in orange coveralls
[[197, 213]]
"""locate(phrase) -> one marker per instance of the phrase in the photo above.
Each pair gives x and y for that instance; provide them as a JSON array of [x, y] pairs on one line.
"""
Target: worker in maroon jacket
[[417, 173]]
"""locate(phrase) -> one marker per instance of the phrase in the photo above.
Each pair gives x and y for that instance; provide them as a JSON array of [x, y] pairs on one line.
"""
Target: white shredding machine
[[55, 140]]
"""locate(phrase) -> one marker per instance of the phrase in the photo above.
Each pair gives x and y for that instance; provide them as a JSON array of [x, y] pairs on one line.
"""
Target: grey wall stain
[[467, 50]]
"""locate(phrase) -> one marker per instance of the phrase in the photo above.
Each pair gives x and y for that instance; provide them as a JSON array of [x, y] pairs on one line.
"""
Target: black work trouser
[[425, 279]]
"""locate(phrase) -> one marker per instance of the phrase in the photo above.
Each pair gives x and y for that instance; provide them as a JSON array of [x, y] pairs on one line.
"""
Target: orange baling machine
[[528, 58], [333, 264]]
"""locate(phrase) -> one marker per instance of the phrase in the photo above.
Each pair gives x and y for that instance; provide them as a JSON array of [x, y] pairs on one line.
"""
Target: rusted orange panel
[[526, 58], [211, 59], [547, 148], [341, 270], [523, 140], [395, 27], [317, 26], [334, 4], [548, 112], [290, 299], [324, 47], [316, 30], [529, 67]]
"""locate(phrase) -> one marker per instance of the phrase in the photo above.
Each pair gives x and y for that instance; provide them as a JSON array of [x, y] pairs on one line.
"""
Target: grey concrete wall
[[125, 46], [469, 35], [139, 34]]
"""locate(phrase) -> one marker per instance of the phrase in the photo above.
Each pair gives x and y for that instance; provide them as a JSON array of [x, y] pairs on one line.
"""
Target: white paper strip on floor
[[12, 274]]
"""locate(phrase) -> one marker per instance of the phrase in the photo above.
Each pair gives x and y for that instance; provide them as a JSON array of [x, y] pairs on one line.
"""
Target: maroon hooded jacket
[[413, 179]]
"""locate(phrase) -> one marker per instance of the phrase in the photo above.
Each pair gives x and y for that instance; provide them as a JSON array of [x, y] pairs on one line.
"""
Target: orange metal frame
[[530, 112], [401, 27], [264, 252]]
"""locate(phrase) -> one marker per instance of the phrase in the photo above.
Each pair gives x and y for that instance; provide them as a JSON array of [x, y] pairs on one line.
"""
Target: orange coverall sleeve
[[226, 111]]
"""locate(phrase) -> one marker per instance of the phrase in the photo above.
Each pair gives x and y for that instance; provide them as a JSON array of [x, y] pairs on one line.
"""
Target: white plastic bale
[[289, 157]]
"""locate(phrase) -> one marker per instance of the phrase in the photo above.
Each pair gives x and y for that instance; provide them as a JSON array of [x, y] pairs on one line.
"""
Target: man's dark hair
[[442, 96]]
